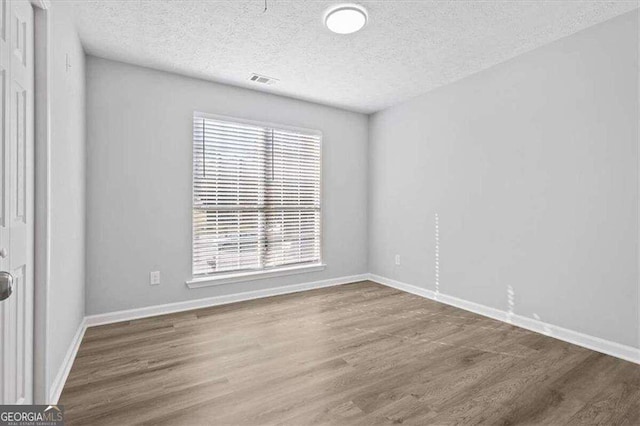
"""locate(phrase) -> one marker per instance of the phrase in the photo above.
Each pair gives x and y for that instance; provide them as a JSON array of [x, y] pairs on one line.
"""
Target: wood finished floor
[[358, 354]]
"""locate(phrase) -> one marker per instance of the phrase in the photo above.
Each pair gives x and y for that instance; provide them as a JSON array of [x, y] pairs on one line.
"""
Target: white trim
[[213, 280], [218, 117], [42, 199], [618, 350], [149, 311], [638, 192], [63, 373], [41, 4]]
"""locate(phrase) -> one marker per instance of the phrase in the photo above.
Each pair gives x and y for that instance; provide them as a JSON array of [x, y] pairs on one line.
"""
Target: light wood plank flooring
[[358, 354]]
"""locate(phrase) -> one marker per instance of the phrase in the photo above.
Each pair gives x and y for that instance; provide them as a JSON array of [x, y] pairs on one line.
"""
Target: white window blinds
[[256, 196]]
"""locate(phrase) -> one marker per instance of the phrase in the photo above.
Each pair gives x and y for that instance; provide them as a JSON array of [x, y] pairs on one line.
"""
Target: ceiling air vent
[[257, 78]]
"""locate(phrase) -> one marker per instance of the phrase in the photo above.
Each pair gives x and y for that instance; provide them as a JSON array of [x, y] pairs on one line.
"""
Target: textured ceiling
[[407, 48]]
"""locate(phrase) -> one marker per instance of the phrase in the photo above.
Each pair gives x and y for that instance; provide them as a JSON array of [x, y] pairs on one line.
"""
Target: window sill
[[254, 275]]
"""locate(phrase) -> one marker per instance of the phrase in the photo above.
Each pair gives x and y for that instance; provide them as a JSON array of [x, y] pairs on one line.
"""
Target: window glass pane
[[256, 196]]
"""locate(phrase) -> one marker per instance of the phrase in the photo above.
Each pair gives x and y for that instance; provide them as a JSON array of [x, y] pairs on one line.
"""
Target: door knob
[[3, 252], [6, 285]]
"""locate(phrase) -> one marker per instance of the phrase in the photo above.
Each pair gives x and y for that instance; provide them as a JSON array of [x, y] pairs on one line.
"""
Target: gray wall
[[532, 168], [67, 279], [139, 124]]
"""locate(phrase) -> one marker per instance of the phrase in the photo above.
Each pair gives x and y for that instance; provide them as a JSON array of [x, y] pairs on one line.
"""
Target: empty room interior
[[299, 213]]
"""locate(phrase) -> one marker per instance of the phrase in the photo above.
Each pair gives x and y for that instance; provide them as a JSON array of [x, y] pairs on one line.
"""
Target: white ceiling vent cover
[[263, 79]]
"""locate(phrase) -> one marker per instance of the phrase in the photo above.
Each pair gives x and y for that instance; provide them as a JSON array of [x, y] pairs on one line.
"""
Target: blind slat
[[256, 197]]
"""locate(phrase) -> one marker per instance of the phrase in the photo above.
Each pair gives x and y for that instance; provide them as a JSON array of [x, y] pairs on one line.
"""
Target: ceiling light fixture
[[346, 18]]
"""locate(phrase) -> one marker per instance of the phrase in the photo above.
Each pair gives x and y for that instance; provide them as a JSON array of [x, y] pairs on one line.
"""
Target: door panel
[[16, 191]]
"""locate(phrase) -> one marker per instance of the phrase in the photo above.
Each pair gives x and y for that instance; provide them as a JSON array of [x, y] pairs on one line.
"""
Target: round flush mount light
[[346, 18]]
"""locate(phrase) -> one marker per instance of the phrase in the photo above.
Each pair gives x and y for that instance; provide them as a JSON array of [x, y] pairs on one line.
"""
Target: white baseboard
[[131, 314], [617, 350], [169, 308], [63, 372], [594, 343]]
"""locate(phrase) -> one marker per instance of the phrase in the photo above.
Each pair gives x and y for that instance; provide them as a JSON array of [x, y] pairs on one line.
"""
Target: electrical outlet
[[397, 260], [154, 278]]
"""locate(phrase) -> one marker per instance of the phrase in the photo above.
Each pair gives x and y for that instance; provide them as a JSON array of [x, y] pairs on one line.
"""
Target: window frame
[[227, 277]]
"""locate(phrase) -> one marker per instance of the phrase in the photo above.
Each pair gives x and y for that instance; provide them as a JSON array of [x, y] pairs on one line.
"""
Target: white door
[[16, 200]]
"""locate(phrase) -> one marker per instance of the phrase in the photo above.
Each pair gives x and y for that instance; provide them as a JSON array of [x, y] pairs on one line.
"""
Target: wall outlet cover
[[154, 278]]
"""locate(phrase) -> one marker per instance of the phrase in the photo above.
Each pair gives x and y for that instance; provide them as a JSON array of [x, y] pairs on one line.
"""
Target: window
[[256, 196]]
